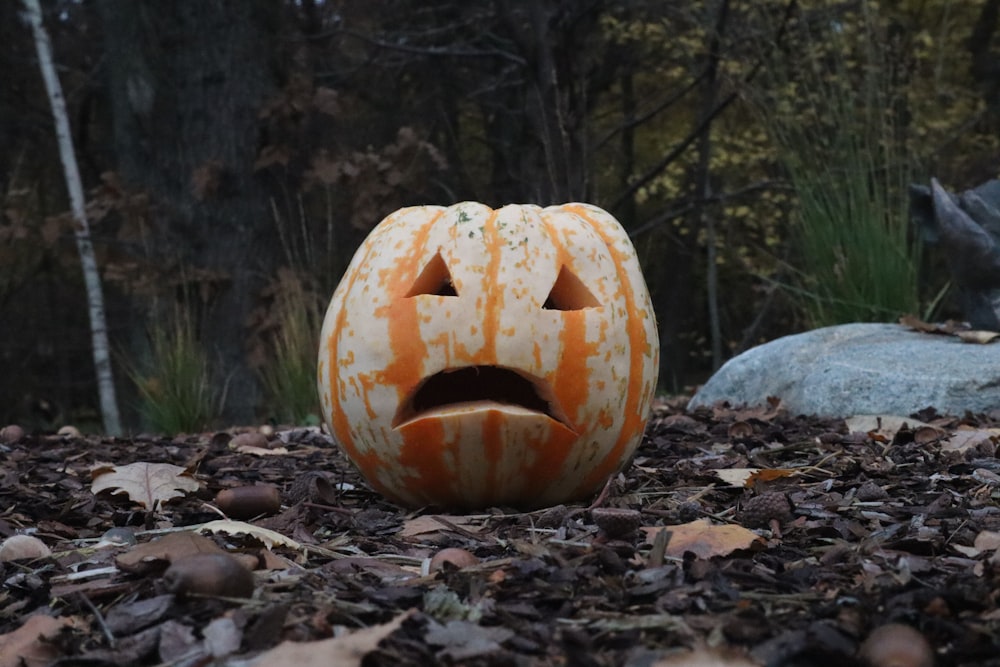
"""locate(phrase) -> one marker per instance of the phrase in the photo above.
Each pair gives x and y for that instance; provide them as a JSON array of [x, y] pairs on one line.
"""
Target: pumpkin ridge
[[638, 397]]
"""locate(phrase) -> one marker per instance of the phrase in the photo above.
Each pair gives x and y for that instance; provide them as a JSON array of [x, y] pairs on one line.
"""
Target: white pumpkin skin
[[482, 340]]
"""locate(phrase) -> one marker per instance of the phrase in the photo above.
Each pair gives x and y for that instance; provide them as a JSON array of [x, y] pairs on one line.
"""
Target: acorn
[[247, 502], [459, 558], [215, 575], [896, 645], [740, 430]]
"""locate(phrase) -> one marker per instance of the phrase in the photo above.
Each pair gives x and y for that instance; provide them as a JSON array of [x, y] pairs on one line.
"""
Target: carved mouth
[[480, 385]]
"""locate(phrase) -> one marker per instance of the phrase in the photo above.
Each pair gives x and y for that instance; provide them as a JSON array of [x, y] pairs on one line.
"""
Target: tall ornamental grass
[[175, 391], [291, 338], [836, 113]]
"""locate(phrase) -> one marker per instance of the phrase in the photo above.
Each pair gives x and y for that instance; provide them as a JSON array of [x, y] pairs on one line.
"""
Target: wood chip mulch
[[750, 536]]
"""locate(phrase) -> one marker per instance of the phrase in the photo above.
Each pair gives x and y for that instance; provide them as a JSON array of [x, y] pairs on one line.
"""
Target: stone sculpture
[[966, 226]]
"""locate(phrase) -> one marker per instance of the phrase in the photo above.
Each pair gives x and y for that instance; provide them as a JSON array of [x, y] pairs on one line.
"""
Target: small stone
[[119, 536], [766, 507], [896, 645], [616, 522], [689, 510], [11, 434], [69, 431], [23, 547], [870, 491]]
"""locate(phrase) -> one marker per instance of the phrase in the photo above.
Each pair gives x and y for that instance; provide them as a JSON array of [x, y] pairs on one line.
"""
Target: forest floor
[[734, 538]]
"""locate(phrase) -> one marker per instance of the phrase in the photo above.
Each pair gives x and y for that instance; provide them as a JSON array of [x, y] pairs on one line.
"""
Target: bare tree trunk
[[88, 262], [703, 186], [186, 83]]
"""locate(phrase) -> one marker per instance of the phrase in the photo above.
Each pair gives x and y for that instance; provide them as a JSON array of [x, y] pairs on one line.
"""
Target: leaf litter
[[828, 537]]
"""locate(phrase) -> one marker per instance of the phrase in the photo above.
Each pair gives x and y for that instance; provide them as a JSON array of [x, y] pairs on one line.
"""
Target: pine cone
[[616, 522], [766, 507]]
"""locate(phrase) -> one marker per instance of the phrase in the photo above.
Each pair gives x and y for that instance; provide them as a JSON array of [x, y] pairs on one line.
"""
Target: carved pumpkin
[[473, 357]]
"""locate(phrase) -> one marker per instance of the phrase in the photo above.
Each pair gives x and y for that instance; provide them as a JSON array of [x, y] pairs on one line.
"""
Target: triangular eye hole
[[435, 279], [569, 293]]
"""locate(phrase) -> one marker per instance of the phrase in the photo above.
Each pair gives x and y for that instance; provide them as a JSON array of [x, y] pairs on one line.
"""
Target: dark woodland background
[[235, 150]]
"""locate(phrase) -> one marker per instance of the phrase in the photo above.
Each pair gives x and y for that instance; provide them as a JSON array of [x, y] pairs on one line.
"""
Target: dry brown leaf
[[884, 425], [967, 438], [978, 336], [913, 322], [261, 451], [268, 537], [435, 523], [148, 484], [168, 548], [346, 651], [704, 539], [748, 477], [987, 540], [27, 646]]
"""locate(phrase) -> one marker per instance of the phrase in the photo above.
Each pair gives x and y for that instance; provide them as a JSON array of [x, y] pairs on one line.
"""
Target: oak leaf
[[264, 535], [705, 539], [148, 484]]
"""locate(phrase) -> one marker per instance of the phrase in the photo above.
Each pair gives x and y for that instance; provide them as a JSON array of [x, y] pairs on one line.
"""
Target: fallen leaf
[[222, 637], [987, 540], [435, 523], [704, 539], [917, 324], [345, 651], [462, 641], [748, 477], [978, 336], [261, 451], [28, 646], [165, 550], [967, 438], [884, 425], [268, 537], [148, 484]]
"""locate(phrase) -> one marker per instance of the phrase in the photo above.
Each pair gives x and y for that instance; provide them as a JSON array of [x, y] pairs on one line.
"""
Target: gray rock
[[855, 369]]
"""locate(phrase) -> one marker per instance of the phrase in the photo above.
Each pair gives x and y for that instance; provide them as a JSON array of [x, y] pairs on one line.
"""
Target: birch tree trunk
[[88, 262]]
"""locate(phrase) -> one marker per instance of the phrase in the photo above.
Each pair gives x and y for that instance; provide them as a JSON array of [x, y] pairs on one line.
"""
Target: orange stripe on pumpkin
[[424, 452], [635, 420], [492, 290]]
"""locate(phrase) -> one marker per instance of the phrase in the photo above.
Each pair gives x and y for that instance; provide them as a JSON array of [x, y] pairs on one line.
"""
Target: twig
[[112, 642]]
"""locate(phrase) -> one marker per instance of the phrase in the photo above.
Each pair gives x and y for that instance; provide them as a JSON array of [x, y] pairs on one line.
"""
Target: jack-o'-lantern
[[473, 357]]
